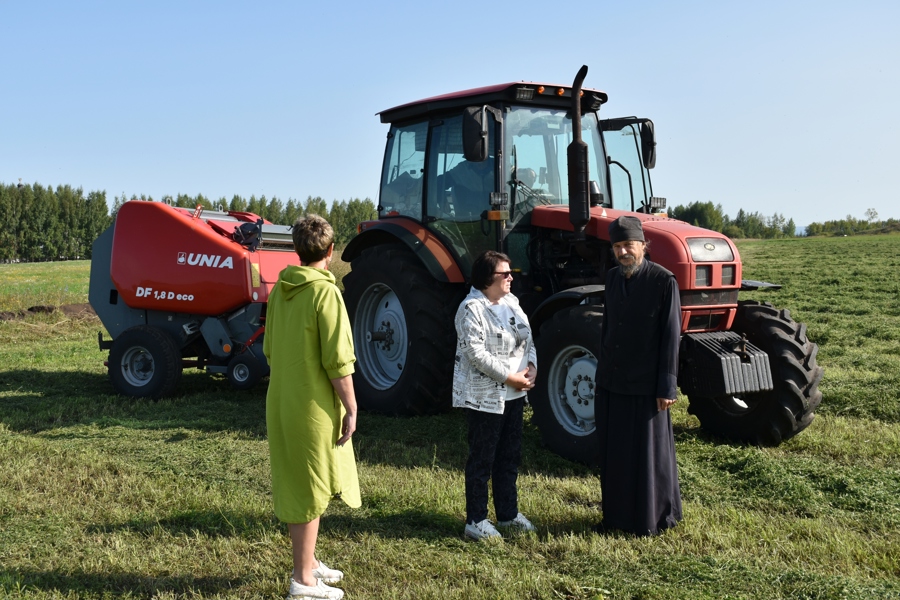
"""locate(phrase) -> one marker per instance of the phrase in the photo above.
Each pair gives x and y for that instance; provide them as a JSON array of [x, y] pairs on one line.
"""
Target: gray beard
[[629, 270]]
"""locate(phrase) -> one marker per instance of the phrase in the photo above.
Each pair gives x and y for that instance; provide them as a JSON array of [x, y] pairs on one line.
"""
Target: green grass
[[109, 497], [23, 286], [847, 291]]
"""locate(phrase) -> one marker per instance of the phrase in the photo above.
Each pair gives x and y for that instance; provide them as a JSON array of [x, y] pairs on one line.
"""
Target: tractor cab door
[[428, 156], [631, 153], [458, 191]]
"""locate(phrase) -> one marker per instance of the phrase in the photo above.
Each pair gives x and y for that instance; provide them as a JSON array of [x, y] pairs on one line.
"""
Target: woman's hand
[[520, 380], [344, 388], [348, 426]]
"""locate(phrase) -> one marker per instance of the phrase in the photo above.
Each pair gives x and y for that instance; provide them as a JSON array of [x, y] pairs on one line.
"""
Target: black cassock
[[638, 363]]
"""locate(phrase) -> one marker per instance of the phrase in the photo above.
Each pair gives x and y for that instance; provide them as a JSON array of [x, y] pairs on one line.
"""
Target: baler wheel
[[768, 418], [244, 371], [563, 395], [144, 362], [403, 333]]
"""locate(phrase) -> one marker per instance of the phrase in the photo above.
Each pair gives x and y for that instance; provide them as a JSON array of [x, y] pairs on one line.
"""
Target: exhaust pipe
[[579, 173]]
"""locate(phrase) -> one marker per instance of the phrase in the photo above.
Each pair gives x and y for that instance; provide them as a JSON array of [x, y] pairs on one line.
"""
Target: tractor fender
[[562, 300], [424, 244]]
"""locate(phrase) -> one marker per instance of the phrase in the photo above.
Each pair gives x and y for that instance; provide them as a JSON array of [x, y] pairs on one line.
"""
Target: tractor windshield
[[535, 147]]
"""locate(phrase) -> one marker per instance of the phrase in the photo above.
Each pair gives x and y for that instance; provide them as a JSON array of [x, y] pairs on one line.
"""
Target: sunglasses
[[505, 274]]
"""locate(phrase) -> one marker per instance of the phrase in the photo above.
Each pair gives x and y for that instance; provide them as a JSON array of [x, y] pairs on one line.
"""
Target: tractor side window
[[459, 191], [404, 166]]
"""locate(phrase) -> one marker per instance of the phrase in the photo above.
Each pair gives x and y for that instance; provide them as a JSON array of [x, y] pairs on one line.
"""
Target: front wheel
[[144, 362], [564, 394], [768, 418], [403, 333]]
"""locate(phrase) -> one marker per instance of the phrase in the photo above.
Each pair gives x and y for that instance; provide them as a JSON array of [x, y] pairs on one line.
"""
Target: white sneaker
[[482, 530], [320, 591], [520, 523], [327, 575]]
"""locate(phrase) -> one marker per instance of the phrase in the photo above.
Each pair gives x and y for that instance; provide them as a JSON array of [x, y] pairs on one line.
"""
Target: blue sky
[[768, 106]]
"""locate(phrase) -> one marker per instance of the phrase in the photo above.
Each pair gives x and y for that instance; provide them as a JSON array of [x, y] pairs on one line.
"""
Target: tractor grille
[[708, 297]]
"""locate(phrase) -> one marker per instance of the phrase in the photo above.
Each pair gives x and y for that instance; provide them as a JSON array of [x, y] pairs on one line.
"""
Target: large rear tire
[[768, 418], [144, 362], [403, 332], [564, 393]]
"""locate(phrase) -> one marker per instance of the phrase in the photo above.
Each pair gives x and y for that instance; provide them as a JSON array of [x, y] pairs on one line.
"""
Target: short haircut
[[484, 267], [313, 237]]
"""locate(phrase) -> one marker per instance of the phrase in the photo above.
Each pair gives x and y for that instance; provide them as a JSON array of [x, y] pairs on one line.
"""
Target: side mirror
[[475, 133], [648, 144]]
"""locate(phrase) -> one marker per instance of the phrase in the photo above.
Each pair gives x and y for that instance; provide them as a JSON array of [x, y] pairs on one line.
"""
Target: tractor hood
[[674, 244]]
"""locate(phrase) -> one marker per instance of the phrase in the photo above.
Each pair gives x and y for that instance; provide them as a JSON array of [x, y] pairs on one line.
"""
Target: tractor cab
[[472, 166]]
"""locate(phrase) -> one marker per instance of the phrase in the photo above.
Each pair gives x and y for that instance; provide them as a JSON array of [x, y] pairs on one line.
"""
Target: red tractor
[[533, 171]]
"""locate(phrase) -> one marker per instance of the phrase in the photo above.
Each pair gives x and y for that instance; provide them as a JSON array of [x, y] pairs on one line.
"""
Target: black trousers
[[495, 452]]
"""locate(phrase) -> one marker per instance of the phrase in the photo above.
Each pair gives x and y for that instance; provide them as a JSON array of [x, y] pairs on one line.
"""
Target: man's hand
[[664, 403]]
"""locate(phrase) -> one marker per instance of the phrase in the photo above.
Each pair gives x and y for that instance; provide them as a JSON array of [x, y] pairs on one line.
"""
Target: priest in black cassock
[[637, 372]]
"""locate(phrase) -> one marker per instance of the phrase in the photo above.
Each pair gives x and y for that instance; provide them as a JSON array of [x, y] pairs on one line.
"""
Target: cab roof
[[522, 92]]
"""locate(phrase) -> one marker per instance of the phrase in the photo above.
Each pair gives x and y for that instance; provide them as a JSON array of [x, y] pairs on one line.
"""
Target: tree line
[[744, 225], [851, 226], [756, 225], [40, 223]]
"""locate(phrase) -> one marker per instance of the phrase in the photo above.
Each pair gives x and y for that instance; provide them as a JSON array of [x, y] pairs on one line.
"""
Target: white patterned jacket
[[483, 349]]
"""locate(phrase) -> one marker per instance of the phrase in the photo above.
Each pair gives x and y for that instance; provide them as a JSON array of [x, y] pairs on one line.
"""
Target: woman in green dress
[[310, 405]]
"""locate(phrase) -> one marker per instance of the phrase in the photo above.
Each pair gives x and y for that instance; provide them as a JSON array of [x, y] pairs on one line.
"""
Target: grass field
[[108, 497]]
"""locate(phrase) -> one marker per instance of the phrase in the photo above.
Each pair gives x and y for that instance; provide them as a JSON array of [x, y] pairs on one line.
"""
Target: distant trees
[[701, 214], [38, 223], [851, 226], [41, 223], [744, 225], [871, 215], [755, 225]]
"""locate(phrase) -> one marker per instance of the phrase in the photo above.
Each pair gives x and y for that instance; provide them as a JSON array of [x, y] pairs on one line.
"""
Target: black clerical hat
[[624, 229]]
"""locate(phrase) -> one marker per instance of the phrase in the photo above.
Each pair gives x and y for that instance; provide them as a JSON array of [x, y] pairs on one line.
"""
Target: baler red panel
[[164, 259], [271, 264]]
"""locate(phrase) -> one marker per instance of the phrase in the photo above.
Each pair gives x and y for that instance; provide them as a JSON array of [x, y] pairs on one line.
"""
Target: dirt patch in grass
[[73, 311]]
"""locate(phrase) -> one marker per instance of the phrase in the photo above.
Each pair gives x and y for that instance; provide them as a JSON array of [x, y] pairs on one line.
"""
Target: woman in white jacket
[[495, 366]]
